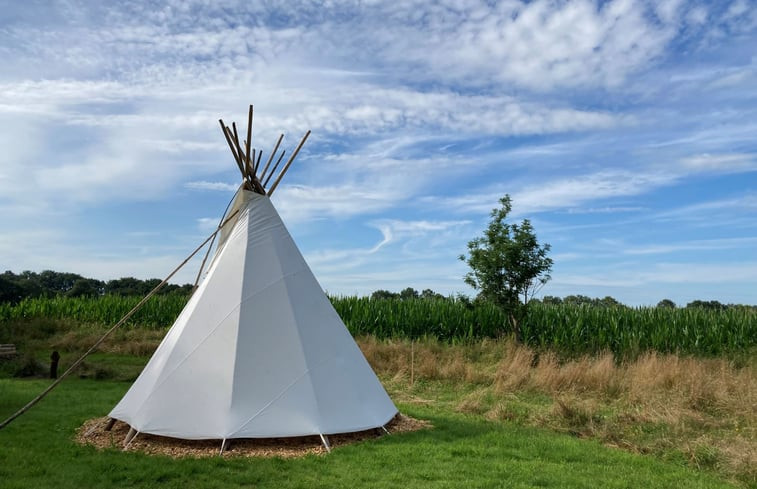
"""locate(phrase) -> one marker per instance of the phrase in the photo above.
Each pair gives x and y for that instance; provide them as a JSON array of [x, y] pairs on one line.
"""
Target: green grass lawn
[[37, 451]]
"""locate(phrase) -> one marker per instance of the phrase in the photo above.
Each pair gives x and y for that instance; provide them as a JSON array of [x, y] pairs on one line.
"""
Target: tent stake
[[130, 437], [325, 440], [225, 444], [111, 422]]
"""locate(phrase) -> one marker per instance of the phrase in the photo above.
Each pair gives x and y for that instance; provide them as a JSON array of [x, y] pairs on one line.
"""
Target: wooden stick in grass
[[286, 167]]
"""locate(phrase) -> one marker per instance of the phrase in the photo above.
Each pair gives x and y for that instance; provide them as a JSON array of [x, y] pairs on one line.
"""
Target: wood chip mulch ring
[[92, 432]]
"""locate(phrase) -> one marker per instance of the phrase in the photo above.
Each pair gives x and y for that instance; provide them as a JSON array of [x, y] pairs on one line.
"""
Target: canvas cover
[[258, 351]]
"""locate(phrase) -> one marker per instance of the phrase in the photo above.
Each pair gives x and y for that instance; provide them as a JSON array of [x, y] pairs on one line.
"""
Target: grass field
[[460, 451], [504, 415]]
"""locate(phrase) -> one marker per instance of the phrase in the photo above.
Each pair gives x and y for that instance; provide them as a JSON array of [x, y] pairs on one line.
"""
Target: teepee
[[258, 351]]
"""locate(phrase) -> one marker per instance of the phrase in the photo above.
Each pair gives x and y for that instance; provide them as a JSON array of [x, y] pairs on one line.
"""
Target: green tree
[[430, 294], [666, 303], [609, 301], [578, 300], [384, 294], [86, 287], [408, 293], [716, 305], [10, 291], [508, 265]]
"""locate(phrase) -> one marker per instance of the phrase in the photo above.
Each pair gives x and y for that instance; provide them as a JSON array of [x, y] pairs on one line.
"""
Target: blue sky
[[625, 130]]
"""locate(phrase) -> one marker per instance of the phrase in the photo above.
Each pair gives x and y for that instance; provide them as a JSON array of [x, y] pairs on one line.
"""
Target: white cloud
[[299, 203], [577, 106], [694, 245], [571, 191], [697, 15], [204, 185], [606, 209], [208, 224], [722, 163], [561, 193], [394, 230]]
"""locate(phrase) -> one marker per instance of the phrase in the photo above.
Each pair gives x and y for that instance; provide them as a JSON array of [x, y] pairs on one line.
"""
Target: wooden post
[[54, 359], [412, 363], [111, 423]]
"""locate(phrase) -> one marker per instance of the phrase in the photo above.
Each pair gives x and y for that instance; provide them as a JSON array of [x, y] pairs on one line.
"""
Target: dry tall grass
[[703, 408]]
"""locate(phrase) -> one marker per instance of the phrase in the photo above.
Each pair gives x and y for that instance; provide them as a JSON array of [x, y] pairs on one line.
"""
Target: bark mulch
[[92, 432]]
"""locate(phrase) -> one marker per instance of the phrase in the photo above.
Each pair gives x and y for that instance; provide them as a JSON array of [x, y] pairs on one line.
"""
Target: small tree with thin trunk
[[508, 266]]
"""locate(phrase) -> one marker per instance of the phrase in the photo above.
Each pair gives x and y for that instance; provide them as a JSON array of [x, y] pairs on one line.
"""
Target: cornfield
[[570, 329], [159, 311]]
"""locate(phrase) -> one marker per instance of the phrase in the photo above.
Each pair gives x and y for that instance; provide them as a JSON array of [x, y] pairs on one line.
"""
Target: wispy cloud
[[722, 163], [607, 122], [203, 185], [695, 245]]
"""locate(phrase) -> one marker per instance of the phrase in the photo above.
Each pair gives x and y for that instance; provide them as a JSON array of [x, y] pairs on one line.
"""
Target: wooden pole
[[412, 363], [270, 158], [245, 159], [227, 134], [283, 152], [248, 165], [257, 165], [239, 148], [212, 241], [286, 167], [249, 136], [128, 315]]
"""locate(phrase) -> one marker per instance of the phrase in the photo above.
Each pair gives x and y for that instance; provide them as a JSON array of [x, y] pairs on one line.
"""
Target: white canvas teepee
[[258, 351]]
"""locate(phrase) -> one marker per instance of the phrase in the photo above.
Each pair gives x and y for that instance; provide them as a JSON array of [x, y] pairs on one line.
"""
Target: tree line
[[48, 283], [16, 287]]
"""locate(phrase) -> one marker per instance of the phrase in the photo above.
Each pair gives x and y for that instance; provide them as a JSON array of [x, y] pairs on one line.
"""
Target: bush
[[28, 366]]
